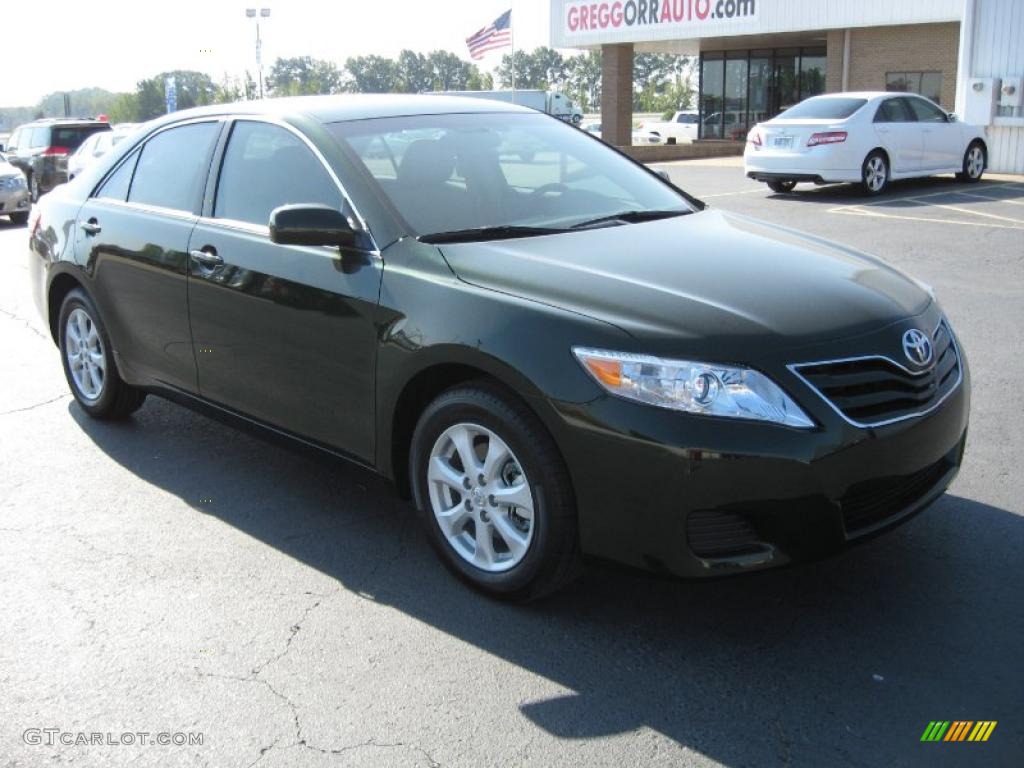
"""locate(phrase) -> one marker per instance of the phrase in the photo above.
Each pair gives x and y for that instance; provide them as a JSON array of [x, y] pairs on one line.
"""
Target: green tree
[[584, 76], [450, 73], [373, 74], [414, 72], [550, 64], [302, 75], [194, 89]]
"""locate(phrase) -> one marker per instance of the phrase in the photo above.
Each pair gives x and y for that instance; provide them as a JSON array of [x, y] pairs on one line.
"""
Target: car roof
[[47, 121], [864, 95], [363, 106]]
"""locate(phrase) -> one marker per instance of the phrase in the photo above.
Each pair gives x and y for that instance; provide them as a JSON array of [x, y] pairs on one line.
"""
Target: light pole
[[264, 13]]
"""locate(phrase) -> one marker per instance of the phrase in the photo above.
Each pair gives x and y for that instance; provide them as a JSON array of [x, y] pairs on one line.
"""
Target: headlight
[[684, 385]]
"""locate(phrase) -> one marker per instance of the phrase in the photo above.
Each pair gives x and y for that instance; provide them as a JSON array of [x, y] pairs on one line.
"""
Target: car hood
[[707, 276]]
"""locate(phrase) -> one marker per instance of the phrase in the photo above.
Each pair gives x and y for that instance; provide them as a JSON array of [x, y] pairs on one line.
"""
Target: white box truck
[[553, 103]]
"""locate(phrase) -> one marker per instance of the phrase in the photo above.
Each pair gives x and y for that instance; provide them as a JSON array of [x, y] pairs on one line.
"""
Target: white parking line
[[975, 213], [854, 210], [991, 199], [860, 209], [730, 194]]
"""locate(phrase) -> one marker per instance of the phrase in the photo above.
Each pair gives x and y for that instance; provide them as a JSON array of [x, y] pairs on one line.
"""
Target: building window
[[927, 84], [739, 89]]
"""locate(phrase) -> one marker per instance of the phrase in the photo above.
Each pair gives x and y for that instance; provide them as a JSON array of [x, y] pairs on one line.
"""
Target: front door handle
[[207, 257], [90, 227]]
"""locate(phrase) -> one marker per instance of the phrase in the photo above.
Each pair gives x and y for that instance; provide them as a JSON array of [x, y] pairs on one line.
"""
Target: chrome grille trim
[[941, 329]]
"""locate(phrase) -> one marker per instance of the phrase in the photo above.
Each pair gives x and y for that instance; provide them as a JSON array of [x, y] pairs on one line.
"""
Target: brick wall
[[877, 50], [617, 94]]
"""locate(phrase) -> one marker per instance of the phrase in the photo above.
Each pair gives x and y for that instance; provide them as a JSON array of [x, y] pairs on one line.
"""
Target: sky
[[112, 43]]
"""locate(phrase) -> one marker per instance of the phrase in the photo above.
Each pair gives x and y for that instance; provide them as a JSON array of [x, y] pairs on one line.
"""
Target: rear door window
[[893, 111], [40, 137], [173, 166], [116, 185]]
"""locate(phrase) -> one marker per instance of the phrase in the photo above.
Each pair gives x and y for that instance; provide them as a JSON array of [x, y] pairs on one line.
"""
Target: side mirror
[[664, 176], [952, 117], [307, 224]]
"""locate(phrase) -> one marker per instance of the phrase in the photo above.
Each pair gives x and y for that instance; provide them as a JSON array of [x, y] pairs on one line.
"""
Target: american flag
[[495, 35]]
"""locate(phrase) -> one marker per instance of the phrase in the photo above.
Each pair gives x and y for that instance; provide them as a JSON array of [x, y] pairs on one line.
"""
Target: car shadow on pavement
[[843, 661], [852, 194]]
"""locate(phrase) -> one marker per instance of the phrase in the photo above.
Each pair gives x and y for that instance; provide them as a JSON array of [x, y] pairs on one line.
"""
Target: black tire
[[20, 218], [875, 173], [782, 186], [116, 399], [552, 558], [972, 170], [577, 119]]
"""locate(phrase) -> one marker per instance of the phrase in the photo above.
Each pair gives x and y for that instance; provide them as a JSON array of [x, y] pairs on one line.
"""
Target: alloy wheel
[[975, 162], [480, 497], [87, 360], [875, 173]]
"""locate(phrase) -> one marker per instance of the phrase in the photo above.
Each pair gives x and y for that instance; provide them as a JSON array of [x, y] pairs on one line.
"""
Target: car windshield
[[824, 108], [519, 173]]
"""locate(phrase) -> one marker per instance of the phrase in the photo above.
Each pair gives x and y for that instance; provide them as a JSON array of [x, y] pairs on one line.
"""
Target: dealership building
[[759, 57]]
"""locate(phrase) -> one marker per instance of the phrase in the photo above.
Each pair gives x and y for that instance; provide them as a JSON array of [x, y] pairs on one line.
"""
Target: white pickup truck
[[681, 128]]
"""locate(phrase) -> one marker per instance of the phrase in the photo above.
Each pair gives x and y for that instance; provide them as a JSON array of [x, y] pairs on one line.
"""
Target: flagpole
[[512, 38]]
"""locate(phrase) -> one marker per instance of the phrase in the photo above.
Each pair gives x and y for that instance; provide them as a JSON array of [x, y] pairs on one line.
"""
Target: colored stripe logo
[[958, 730]]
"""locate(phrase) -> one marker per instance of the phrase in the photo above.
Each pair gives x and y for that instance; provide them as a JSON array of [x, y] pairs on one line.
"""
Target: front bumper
[[696, 496]]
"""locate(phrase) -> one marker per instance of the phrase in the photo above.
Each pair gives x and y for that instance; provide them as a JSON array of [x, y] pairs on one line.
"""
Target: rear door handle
[[90, 227], [207, 257]]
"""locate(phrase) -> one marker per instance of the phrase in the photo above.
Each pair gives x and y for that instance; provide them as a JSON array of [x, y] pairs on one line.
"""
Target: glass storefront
[[741, 88]]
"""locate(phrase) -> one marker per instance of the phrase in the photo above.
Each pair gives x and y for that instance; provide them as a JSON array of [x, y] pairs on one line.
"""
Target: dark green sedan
[[554, 352]]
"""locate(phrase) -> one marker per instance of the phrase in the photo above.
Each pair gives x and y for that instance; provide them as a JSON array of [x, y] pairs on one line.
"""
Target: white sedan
[[640, 137], [870, 138]]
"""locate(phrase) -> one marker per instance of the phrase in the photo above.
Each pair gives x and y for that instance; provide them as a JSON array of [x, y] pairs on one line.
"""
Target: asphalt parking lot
[[170, 574]]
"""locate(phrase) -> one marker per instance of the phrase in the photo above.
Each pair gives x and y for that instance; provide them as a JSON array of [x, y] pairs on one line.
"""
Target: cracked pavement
[[300, 618]]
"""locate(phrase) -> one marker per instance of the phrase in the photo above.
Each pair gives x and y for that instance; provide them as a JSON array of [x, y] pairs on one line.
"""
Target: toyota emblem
[[917, 347]]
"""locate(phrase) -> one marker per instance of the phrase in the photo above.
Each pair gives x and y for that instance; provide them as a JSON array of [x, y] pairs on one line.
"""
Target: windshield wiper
[[503, 232], [629, 217]]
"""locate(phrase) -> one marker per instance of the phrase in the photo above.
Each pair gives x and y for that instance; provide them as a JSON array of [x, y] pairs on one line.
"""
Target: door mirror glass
[[311, 225], [952, 117]]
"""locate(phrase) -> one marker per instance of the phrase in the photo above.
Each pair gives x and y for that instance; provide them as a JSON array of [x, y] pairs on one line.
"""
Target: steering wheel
[[548, 189]]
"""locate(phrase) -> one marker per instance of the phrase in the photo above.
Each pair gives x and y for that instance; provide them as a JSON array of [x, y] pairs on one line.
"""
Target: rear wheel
[[89, 362], [494, 493], [20, 218], [875, 173], [782, 186], [974, 163]]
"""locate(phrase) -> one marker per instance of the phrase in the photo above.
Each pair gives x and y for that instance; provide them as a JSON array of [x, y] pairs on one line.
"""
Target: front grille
[[721, 534], [872, 391], [871, 502]]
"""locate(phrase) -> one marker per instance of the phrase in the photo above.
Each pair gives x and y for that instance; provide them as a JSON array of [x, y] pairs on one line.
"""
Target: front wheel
[[494, 493], [875, 173], [89, 362], [974, 163], [782, 187]]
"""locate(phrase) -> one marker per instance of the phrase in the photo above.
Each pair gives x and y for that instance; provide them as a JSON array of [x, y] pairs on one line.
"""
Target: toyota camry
[[553, 353], [871, 138]]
